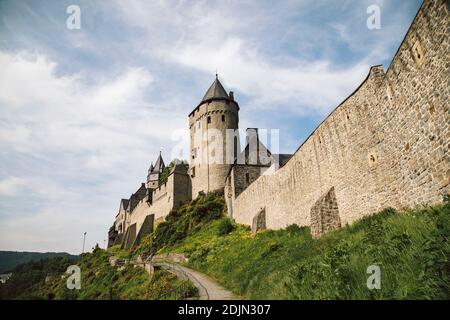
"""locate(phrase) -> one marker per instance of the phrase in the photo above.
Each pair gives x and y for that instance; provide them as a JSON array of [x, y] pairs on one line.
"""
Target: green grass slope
[[412, 249]]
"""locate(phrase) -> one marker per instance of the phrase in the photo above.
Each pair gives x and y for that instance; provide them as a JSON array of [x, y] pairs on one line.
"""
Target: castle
[[386, 145]]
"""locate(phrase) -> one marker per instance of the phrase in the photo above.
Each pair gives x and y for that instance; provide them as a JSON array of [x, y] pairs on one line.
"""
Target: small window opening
[[209, 119], [247, 178], [223, 118]]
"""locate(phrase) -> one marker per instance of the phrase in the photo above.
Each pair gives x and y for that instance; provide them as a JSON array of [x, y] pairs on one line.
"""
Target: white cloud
[[300, 87], [44, 111], [208, 36], [11, 186], [83, 143]]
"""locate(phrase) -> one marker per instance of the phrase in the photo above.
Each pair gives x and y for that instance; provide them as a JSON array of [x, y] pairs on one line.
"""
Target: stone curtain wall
[[168, 196], [386, 145]]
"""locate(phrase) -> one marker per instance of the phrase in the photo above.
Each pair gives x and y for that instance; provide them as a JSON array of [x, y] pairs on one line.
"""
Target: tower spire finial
[[216, 74]]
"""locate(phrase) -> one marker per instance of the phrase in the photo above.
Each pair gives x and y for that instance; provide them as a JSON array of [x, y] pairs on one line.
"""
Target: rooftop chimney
[[231, 95], [252, 142], [251, 133]]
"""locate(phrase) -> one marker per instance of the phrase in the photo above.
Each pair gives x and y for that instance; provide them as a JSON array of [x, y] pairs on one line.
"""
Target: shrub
[[182, 222], [225, 227]]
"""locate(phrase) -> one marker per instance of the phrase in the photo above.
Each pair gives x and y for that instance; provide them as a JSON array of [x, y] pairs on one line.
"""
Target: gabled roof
[[136, 197], [253, 156], [124, 203]]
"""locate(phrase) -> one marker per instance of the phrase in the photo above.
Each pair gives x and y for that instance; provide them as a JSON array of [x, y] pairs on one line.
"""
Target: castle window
[[223, 118], [247, 178], [193, 172], [209, 119]]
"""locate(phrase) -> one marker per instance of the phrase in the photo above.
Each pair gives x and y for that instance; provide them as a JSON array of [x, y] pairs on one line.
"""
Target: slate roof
[[159, 165], [283, 158], [136, 197], [246, 158], [215, 91], [124, 203]]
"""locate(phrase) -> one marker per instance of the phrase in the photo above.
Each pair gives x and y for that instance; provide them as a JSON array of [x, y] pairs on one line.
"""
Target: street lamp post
[[84, 240]]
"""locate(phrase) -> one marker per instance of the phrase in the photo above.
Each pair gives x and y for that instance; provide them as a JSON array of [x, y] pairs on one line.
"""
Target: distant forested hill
[[10, 259]]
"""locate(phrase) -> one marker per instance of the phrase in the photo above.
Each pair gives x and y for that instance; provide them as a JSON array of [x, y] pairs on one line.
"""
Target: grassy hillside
[[181, 223], [412, 249], [10, 259], [99, 280]]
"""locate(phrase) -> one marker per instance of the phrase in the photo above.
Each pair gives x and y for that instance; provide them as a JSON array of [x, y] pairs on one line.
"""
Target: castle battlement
[[385, 145]]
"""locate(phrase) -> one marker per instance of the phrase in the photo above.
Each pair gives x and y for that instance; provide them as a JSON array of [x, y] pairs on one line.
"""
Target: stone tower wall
[[209, 174], [386, 145]]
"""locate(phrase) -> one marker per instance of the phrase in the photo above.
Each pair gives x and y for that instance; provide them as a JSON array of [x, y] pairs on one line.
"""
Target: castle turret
[[214, 136], [154, 173]]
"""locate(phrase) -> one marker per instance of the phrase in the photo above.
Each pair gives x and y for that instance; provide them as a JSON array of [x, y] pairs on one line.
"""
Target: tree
[[166, 172]]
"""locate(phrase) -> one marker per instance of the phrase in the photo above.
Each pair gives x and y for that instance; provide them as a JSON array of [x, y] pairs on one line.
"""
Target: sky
[[83, 112]]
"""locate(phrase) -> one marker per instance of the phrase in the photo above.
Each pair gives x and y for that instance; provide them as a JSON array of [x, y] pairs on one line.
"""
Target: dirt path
[[208, 288]]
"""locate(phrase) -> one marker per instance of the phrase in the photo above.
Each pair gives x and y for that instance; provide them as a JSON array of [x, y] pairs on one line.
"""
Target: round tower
[[213, 126]]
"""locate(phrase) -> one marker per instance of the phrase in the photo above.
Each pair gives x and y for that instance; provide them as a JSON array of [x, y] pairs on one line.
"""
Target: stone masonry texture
[[386, 145], [210, 167], [325, 214]]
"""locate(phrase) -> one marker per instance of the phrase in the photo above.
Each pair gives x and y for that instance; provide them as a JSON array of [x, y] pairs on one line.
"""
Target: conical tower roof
[[159, 164], [215, 91]]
